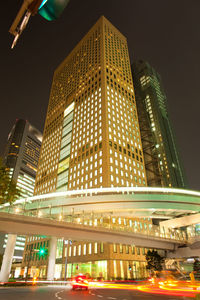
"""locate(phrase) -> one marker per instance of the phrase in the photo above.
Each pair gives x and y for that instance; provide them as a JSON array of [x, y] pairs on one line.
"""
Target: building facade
[[162, 161], [97, 260], [21, 157], [92, 139], [91, 135]]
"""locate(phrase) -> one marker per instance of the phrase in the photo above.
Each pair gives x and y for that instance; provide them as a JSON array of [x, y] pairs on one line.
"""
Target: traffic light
[[42, 252], [48, 9], [129, 267], [34, 6], [52, 9]]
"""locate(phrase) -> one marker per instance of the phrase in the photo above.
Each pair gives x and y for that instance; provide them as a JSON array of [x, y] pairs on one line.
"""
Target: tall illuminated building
[[162, 160], [91, 138], [91, 135], [21, 157]]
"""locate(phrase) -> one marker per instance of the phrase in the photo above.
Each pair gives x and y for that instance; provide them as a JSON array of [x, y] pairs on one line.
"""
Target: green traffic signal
[[42, 252], [52, 9]]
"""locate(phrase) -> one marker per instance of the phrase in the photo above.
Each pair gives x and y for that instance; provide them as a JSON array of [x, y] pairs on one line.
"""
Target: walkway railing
[[61, 206], [144, 229]]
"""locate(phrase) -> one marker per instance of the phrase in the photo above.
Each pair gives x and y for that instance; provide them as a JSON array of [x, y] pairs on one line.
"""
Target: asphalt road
[[66, 293]]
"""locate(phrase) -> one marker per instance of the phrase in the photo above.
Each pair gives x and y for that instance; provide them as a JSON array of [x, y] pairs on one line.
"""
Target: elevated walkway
[[162, 203], [23, 225]]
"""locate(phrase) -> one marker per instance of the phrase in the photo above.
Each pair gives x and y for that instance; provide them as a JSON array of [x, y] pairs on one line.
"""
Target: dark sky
[[166, 33]]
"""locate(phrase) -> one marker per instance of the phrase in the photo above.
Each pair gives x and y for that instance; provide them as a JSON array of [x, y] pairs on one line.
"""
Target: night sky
[[164, 33]]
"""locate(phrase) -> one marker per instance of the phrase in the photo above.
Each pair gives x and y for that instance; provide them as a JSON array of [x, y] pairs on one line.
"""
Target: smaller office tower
[[21, 157], [162, 162]]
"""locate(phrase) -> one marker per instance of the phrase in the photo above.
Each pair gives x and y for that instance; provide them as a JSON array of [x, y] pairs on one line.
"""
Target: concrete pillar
[[7, 258], [52, 258]]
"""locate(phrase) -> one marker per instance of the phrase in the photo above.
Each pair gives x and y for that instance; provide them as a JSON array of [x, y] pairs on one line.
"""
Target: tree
[[8, 189], [154, 261], [196, 266]]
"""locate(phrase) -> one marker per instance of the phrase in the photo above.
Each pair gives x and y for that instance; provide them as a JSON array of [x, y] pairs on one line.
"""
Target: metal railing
[[92, 221]]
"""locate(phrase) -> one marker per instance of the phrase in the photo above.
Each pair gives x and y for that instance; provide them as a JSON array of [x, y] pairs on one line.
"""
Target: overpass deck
[[23, 225]]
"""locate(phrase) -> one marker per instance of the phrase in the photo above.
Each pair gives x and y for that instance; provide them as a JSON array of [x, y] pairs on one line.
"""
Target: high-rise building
[[21, 157], [91, 135], [162, 160], [92, 140]]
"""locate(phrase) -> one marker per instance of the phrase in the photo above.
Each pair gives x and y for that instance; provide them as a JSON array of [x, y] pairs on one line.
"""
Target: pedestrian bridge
[[91, 215], [151, 238], [88, 214], [142, 202]]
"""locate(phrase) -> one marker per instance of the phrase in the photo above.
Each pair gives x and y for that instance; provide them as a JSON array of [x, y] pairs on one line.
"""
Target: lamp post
[[67, 242]]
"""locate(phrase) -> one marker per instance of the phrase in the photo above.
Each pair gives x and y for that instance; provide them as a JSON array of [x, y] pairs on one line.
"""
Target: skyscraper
[[91, 135], [21, 157], [162, 161], [92, 140]]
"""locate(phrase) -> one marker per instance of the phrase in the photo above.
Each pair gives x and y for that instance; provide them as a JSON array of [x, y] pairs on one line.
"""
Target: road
[[65, 293]]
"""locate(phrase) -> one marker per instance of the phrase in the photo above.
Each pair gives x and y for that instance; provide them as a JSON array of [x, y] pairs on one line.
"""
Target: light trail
[[170, 288]]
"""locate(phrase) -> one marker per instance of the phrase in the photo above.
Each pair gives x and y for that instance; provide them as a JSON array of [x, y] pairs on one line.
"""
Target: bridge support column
[[52, 258], [7, 258]]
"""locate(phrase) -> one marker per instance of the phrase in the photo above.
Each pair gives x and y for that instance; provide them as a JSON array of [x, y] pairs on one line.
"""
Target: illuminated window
[[115, 268], [79, 250], [89, 248], [84, 249], [115, 248], [70, 251], [101, 247], [95, 248]]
